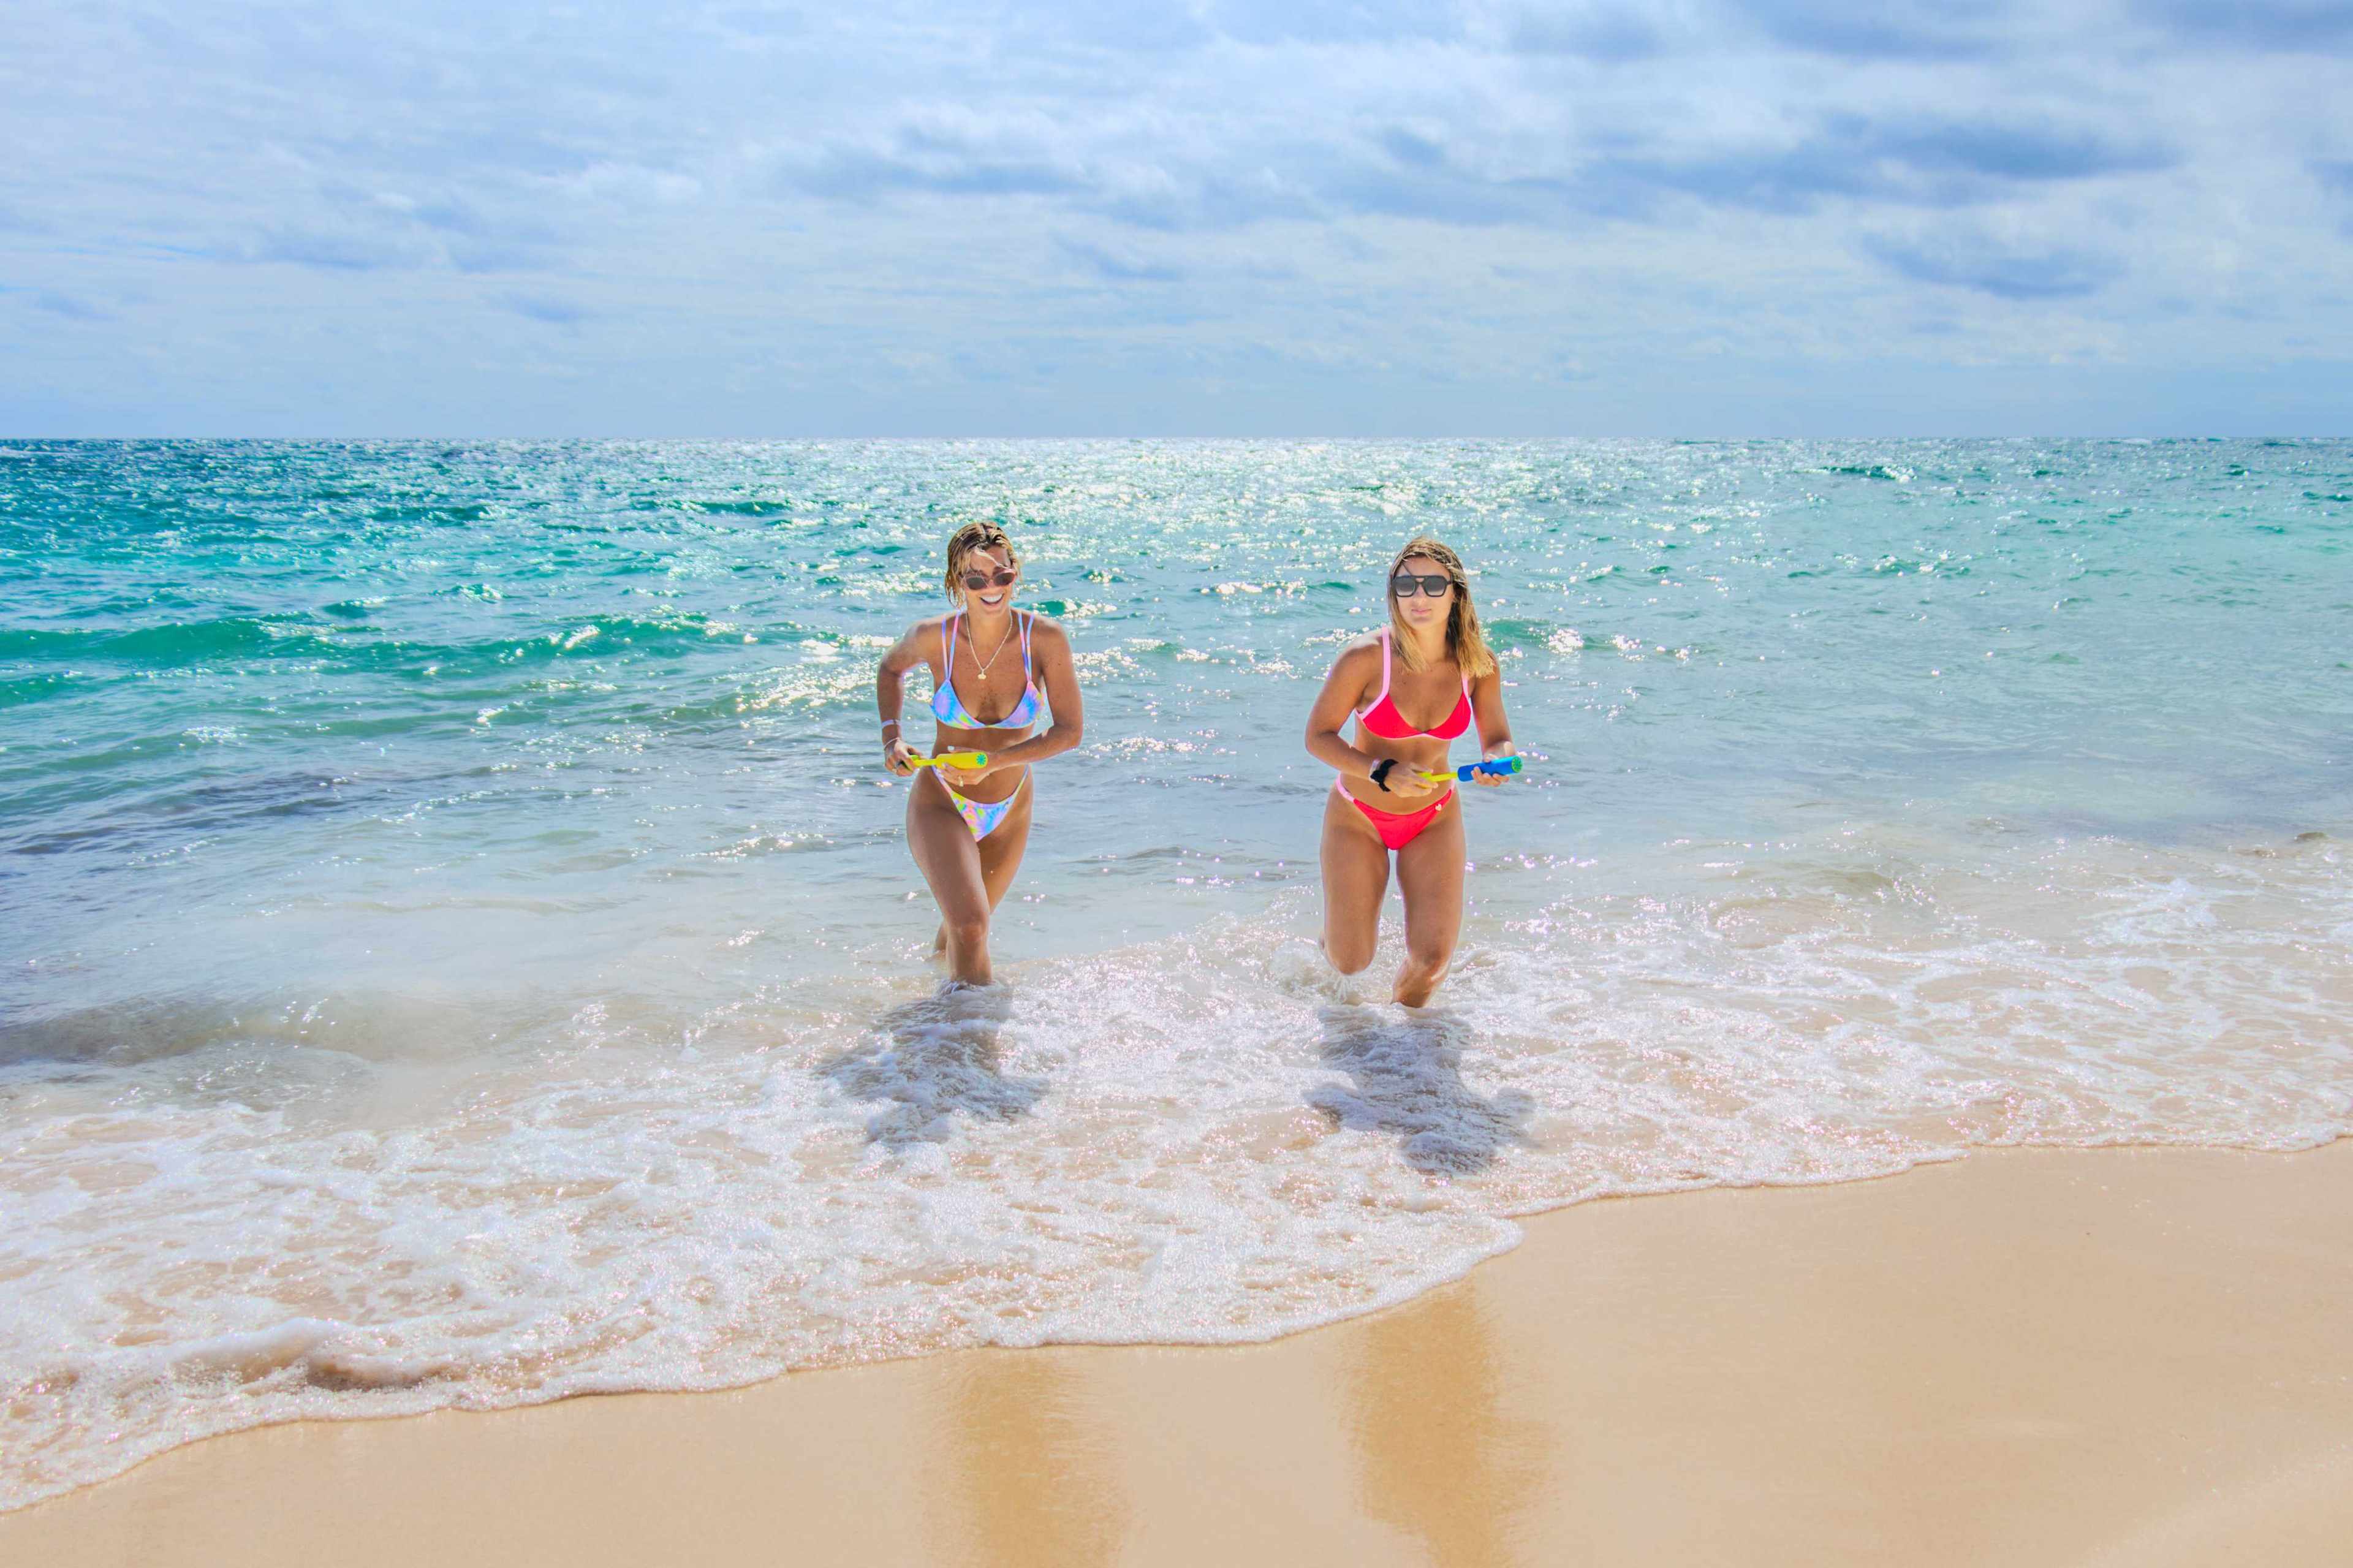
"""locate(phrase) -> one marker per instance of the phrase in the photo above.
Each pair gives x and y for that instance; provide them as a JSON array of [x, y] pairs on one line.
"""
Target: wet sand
[[2107, 1358]]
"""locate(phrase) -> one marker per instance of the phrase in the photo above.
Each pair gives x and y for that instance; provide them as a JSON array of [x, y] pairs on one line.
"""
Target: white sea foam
[[1202, 1138], [356, 1057]]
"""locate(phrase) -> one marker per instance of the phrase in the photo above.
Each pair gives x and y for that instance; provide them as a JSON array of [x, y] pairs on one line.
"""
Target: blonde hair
[[1465, 643], [975, 536]]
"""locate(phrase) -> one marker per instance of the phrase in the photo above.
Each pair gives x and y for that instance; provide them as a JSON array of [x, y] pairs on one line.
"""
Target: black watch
[[1380, 774]]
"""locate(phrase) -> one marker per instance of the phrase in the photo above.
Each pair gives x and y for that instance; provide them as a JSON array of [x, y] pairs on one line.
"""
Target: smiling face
[[989, 566]]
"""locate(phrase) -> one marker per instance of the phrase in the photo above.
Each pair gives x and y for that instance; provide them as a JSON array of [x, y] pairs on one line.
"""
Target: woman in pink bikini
[[1412, 686], [967, 826]]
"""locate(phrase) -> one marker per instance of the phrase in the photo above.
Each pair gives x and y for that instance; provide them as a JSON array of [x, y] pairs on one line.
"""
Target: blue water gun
[[1468, 770]]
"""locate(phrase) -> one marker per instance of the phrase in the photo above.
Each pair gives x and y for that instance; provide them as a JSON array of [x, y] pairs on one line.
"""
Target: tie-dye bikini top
[[949, 709]]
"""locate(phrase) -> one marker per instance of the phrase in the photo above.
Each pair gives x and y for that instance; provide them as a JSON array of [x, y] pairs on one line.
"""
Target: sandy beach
[[2126, 1356], [745, 762]]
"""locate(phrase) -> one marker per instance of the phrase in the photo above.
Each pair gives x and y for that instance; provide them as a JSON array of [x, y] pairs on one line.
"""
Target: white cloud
[[749, 217]]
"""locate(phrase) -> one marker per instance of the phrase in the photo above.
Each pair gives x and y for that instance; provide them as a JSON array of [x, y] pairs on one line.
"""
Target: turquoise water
[[457, 947]]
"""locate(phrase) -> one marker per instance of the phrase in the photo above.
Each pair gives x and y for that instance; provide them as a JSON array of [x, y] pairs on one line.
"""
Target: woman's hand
[[895, 753], [1495, 780], [1406, 784]]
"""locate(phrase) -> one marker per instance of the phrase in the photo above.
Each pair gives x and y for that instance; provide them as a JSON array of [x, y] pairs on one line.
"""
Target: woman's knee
[[1428, 958], [1350, 954], [966, 930]]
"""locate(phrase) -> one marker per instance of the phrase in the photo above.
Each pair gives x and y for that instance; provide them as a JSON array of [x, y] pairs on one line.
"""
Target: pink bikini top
[[1383, 718]]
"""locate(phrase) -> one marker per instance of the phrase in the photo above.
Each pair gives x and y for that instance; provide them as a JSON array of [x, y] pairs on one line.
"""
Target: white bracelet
[[890, 724]]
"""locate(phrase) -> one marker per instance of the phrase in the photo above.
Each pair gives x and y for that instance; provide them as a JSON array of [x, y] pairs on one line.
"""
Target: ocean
[[458, 949]]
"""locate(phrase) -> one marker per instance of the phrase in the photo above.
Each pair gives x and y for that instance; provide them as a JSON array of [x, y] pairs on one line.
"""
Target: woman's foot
[[1417, 982]]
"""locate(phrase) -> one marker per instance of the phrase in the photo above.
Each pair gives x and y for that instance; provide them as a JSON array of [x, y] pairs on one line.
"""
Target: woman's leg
[[1429, 875], [950, 862], [1355, 879], [1000, 858], [1000, 852]]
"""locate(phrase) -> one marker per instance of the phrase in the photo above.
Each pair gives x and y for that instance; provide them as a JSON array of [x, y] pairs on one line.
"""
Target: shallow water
[[457, 947]]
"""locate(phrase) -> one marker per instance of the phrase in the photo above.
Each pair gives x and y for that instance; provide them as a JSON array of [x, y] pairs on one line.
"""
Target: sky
[[1325, 218]]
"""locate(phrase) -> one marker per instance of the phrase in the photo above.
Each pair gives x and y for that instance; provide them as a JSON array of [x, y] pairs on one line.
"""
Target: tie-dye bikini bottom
[[983, 815]]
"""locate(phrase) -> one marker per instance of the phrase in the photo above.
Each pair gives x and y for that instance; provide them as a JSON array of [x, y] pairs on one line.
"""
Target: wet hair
[[1464, 641], [975, 536]]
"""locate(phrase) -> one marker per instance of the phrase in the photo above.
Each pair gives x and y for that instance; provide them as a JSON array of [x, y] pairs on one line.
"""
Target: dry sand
[[2115, 1357]]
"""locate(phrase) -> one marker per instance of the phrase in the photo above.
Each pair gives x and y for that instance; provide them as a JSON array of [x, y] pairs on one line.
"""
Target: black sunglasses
[[976, 581], [1404, 583]]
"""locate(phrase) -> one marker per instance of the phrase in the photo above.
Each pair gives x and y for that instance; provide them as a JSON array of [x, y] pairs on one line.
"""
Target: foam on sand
[[1201, 1139]]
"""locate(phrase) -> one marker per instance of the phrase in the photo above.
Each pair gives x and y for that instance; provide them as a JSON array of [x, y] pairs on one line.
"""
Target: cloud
[[1116, 268], [1331, 21], [1415, 176], [1610, 33], [1909, 162], [761, 21], [1616, 31], [70, 308], [862, 171], [487, 258], [356, 229], [454, 215], [1970, 259], [1887, 30], [892, 194], [1460, 171], [545, 307], [332, 252], [2012, 151], [2296, 25], [1178, 199]]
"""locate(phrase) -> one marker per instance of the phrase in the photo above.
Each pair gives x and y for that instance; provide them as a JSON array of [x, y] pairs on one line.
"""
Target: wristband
[[1380, 774], [890, 724]]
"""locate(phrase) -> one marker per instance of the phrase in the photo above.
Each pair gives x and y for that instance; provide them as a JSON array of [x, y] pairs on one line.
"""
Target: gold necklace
[[982, 665]]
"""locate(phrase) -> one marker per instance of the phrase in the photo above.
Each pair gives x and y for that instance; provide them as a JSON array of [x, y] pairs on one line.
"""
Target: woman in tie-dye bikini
[[967, 826], [1412, 688]]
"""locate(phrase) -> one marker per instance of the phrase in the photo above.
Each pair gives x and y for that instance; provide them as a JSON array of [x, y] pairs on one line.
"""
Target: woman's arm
[[1495, 728], [890, 690], [1352, 673], [1049, 649]]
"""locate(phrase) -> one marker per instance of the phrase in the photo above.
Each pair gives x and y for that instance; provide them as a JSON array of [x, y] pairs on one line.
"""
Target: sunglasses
[[976, 581], [1404, 583]]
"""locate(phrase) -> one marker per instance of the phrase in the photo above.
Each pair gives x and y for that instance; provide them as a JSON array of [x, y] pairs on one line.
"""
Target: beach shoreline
[[2031, 1355], [466, 951]]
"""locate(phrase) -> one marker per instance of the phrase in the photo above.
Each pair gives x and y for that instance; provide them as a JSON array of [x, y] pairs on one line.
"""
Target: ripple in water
[[458, 950]]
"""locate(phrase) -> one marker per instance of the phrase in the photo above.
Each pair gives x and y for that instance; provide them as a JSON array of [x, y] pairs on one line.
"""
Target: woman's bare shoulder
[[921, 640]]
